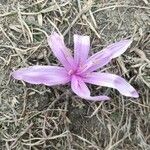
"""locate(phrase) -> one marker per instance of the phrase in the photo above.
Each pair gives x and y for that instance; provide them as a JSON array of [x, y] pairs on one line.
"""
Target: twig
[[86, 8], [21, 134]]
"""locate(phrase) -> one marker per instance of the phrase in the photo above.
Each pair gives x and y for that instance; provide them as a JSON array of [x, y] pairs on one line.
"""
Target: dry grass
[[39, 117]]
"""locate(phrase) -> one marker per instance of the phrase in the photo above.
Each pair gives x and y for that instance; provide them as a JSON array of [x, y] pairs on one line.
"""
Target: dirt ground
[[36, 117]]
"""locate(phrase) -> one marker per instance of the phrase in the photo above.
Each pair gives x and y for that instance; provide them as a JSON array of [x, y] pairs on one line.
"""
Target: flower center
[[71, 72], [75, 73]]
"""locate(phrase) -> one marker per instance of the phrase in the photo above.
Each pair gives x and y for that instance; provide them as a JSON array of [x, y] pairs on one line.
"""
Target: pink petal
[[80, 88], [103, 57], [112, 81], [59, 49], [48, 75], [81, 48]]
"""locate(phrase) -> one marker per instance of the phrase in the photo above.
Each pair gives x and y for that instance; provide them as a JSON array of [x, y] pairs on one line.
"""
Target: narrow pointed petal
[[59, 49], [81, 48], [47, 75], [103, 57], [80, 88], [112, 81]]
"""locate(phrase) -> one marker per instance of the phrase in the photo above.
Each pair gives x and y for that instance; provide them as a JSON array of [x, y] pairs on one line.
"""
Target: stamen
[[70, 72], [87, 66]]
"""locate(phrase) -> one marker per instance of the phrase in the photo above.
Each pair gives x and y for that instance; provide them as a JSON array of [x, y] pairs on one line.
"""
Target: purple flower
[[79, 69]]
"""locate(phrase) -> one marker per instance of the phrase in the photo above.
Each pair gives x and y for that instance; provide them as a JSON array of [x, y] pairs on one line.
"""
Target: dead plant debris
[[39, 117]]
